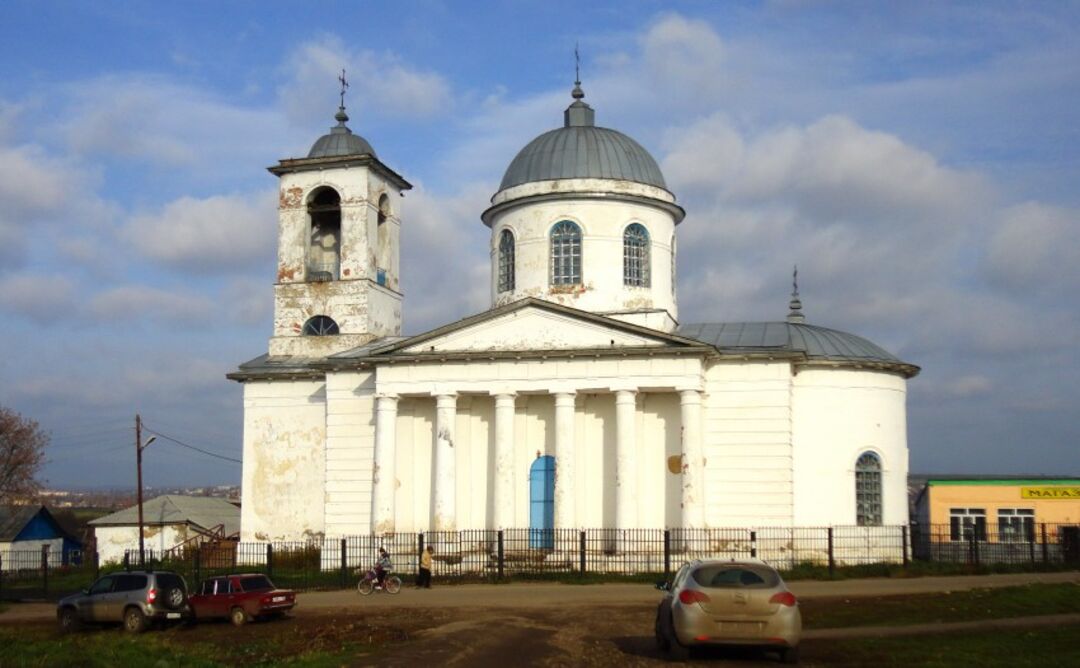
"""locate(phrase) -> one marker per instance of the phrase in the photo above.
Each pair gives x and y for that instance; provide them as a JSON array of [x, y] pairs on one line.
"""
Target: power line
[[192, 447]]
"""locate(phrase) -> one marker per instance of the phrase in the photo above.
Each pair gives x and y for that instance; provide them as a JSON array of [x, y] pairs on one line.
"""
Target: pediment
[[534, 327]]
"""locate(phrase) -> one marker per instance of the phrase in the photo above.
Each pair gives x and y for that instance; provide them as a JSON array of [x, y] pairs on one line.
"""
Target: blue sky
[[918, 161]]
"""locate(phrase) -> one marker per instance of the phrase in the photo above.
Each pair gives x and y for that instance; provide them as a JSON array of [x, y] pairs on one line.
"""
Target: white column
[[693, 461], [504, 460], [625, 470], [444, 513], [564, 461], [384, 478]]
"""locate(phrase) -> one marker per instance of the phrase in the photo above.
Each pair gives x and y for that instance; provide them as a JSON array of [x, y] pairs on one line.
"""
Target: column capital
[[564, 397], [503, 393], [386, 396], [688, 395], [446, 400], [625, 395]]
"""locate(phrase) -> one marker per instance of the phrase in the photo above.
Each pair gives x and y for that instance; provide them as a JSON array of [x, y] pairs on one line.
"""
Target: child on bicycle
[[382, 567]]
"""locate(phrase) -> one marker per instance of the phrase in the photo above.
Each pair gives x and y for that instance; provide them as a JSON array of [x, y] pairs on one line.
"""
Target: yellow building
[[999, 509]]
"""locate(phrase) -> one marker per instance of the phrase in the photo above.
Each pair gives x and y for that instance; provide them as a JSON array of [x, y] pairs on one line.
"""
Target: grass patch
[[108, 647], [975, 604], [914, 569], [1040, 647]]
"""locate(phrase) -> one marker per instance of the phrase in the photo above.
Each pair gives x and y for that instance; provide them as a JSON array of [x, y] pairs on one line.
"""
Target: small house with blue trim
[[26, 530]]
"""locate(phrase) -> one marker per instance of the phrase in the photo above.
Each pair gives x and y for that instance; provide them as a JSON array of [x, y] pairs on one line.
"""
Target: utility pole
[[139, 447], [138, 466]]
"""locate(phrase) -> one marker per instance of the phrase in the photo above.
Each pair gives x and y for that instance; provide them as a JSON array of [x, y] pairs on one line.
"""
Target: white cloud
[[1035, 247], [224, 233], [380, 84], [46, 299], [137, 303]]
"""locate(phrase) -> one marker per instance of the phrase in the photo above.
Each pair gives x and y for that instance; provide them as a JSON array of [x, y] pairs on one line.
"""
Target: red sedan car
[[240, 598]]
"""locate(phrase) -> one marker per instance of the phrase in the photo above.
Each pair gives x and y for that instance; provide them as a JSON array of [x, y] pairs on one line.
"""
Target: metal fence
[[489, 555]]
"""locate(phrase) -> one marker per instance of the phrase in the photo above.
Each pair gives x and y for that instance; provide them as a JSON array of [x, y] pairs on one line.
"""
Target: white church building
[[578, 400]]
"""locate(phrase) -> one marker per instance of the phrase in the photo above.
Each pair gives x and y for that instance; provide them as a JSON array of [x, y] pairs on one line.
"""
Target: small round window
[[320, 325]]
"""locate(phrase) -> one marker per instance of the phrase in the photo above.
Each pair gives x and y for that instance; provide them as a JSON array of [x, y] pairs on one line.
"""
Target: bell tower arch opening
[[383, 240], [324, 238]]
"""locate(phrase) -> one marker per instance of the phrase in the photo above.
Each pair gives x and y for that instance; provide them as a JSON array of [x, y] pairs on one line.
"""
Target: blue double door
[[542, 503]]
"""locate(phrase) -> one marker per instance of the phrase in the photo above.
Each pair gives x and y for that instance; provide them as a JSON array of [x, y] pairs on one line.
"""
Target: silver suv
[[134, 598]]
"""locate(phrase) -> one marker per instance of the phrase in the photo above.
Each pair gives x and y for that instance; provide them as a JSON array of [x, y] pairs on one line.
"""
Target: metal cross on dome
[[344, 85]]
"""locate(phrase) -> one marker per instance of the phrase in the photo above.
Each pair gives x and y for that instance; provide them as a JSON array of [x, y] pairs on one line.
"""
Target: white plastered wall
[[747, 444], [284, 471], [350, 452], [113, 541], [837, 415]]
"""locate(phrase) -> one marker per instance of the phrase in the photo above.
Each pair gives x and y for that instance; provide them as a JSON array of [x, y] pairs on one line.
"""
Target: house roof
[[13, 519], [203, 511]]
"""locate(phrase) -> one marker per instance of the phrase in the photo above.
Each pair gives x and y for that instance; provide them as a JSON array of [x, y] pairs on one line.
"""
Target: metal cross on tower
[[344, 85]]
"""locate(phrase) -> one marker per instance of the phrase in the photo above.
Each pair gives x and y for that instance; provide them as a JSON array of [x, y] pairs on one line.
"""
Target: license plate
[[739, 627], [172, 615], [279, 599]]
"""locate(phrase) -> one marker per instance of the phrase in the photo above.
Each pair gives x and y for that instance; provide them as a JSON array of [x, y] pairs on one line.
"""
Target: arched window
[[868, 490], [382, 240], [506, 261], [320, 325], [324, 248], [636, 256], [565, 254]]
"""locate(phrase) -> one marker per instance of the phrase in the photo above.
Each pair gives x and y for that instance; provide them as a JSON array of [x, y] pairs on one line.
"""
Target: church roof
[[579, 150], [814, 342], [340, 141]]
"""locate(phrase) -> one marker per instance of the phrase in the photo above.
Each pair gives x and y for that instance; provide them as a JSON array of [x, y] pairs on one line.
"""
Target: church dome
[[580, 150], [340, 141]]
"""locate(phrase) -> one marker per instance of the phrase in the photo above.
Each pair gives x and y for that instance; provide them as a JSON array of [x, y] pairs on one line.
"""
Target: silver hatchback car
[[717, 602]]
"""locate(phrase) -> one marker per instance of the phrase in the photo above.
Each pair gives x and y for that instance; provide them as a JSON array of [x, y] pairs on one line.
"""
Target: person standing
[[426, 559]]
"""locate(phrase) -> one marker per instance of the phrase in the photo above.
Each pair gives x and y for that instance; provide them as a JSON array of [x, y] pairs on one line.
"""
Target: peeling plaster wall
[[602, 224], [838, 414], [113, 541], [362, 308], [284, 476], [747, 444], [350, 452]]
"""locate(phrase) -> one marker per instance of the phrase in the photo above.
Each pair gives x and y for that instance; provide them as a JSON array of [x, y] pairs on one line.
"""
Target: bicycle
[[391, 584]]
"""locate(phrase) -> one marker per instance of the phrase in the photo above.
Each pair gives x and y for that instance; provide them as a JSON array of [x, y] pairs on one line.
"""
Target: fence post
[[127, 560], [198, 565], [975, 547], [1045, 549], [97, 564], [581, 552], [500, 555], [1031, 545], [1, 577], [832, 556], [667, 554], [904, 543], [45, 569], [419, 551], [344, 565], [270, 560], [753, 544]]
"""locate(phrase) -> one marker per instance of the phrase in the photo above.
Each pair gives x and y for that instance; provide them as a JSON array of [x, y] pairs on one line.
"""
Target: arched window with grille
[[868, 490], [565, 254], [506, 261], [636, 256], [320, 325]]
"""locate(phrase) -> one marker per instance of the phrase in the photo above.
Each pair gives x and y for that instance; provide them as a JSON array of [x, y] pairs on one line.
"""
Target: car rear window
[[736, 577], [170, 580], [256, 583], [130, 582]]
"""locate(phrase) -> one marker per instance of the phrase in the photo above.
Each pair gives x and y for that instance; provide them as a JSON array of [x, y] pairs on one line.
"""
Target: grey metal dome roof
[[817, 343], [340, 141], [582, 150]]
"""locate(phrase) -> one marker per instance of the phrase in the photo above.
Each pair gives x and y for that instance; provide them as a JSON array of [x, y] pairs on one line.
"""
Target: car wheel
[[134, 620], [676, 650], [238, 617], [662, 642], [789, 655], [68, 619]]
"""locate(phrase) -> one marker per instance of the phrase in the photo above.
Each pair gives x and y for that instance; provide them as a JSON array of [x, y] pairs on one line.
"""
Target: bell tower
[[338, 270]]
